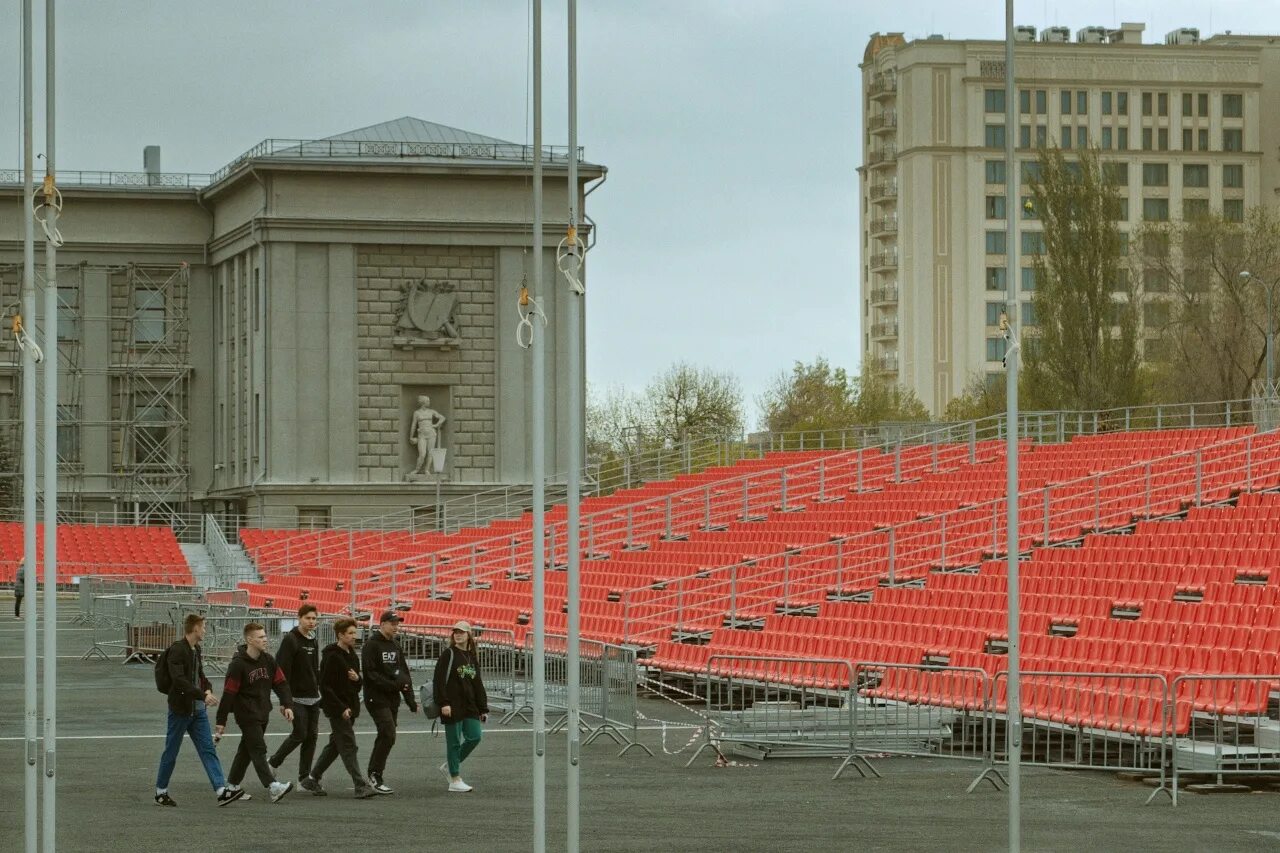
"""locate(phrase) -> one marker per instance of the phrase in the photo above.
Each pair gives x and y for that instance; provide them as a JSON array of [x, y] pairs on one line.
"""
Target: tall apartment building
[[1189, 125]]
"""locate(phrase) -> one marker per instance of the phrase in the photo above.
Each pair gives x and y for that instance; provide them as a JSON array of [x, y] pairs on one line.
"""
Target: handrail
[[182, 180]]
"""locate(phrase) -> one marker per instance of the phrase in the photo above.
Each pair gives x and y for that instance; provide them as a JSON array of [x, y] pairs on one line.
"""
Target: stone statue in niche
[[426, 315], [424, 432]]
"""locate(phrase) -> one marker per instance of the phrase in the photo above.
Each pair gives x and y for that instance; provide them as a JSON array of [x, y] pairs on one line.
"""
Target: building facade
[[256, 341], [1187, 125]]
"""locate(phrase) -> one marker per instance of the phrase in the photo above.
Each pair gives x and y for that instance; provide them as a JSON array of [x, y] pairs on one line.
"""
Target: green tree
[[812, 397], [981, 398], [1084, 352], [882, 400]]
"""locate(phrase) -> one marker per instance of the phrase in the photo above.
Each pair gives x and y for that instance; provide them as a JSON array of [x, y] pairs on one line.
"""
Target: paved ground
[[111, 718]]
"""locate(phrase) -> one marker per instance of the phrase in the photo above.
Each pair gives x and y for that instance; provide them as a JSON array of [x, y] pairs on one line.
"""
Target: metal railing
[[1223, 727], [883, 190], [884, 259], [182, 180], [885, 294], [321, 148]]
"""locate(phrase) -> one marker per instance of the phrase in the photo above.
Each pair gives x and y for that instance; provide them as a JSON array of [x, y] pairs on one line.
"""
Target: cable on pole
[[53, 202], [24, 341], [570, 254]]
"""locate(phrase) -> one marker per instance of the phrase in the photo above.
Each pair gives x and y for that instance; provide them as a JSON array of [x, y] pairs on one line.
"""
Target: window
[[1032, 243], [1106, 103], [1082, 137], [1232, 106], [1195, 280], [1042, 101], [1146, 103], [1024, 101], [68, 312], [313, 517], [1233, 139], [1066, 102], [1042, 136], [1024, 136], [1116, 174], [995, 349], [1029, 208], [1155, 315], [1029, 279], [1122, 138], [1195, 175], [1106, 139], [994, 100], [995, 207], [994, 310], [996, 242], [1202, 100], [148, 316], [1162, 104], [995, 171], [1186, 104], [1118, 209], [1162, 139], [1233, 209], [1030, 171], [997, 278], [1202, 139], [68, 436], [1028, 314], [1233, 176], [994, 137], [1155, 174], [257, 299], [1155, 245], [1155, 209], [1124, 244], [1155, 280], [1082, 102], [1066, 136], [1186, 139], [1146, 139], [1119, 280], [1195, 208], [151, 430], [1122, 103]]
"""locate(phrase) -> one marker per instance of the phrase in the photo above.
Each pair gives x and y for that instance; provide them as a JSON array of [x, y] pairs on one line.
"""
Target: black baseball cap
[[390, 616]]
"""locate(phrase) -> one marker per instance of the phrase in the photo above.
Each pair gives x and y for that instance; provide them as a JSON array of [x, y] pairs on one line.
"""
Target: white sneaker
[[279, 789], [459, 787]]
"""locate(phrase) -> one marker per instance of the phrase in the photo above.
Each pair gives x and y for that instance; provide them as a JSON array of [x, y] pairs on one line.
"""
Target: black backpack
[[164, 681]]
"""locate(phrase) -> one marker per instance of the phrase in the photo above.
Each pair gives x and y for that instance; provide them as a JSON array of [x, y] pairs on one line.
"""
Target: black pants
[[253, 750], [342, 742], [306, 728], [17, 606], [384, 718]]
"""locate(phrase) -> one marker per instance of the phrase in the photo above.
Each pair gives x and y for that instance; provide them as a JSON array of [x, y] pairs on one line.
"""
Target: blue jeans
[[197, 726]]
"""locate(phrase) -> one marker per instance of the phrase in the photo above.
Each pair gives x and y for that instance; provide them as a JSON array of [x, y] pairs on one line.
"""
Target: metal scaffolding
[[152, 379]]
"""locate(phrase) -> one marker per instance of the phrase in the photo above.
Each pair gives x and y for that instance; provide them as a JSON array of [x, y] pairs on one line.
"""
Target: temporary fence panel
[[1224, 725]]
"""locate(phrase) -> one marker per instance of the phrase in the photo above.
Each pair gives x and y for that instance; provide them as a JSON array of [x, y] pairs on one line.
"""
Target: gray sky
[[729, 222]]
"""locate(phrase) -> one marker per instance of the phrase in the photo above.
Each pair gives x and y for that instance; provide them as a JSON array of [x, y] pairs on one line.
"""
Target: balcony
[[884, 190], [885, 330], [881, 260], [885, 122], [885, 156], [887, 295], [883, 85], [887, 363], [884, 225]]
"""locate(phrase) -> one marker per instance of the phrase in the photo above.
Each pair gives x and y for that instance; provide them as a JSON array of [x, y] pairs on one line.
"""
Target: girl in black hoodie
[[464, 705]]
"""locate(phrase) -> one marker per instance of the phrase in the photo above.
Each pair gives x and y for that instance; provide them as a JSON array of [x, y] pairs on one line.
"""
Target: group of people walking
[[309, 682]]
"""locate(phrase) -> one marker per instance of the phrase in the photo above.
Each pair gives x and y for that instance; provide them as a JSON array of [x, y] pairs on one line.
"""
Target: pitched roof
[[410, 129]]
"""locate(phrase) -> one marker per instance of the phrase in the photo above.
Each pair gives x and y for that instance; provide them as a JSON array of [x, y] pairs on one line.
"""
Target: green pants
[[460, 739]]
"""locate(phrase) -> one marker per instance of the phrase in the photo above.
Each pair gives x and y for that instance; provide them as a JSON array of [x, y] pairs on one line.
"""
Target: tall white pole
[[30, 730], [574, 463], [1013, 209], [538, 463], [50, 814]]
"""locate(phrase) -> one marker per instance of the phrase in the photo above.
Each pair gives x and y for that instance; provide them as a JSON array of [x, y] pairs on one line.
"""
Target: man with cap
[[386, 679]]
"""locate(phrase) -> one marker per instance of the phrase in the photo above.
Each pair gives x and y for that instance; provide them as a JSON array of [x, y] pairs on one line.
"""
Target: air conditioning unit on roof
[[1091, 35], [1056, 35], [1183, 35], [1024, 33]]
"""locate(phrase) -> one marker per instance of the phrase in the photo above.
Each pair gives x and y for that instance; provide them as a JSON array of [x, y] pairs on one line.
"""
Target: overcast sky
[[729, 222]]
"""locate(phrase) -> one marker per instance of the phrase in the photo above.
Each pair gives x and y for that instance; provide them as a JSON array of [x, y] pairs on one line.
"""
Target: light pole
[[1249, 278]]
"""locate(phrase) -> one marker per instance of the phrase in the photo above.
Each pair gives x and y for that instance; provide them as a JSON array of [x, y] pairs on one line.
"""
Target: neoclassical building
[[256, 341]]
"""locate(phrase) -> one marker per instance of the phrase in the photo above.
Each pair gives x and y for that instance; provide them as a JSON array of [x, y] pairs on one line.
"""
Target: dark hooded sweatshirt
[[299, 658], [458, 685], [337, 691], [386, 673], [247, 689]]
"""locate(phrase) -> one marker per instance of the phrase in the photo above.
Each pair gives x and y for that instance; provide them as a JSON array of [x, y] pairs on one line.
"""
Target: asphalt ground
[[111, 723]]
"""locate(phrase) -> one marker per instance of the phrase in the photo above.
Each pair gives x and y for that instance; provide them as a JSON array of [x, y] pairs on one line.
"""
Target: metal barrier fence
[[607, 679], [782, 707], [923, 710], [1223, 725], [498, 654]]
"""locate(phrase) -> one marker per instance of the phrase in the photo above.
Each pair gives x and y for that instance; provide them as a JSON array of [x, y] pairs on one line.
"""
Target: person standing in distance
[[251, 676], [299, 659], [340, 700], [19, 590], [190, 693], [386, 679], [463, 702]]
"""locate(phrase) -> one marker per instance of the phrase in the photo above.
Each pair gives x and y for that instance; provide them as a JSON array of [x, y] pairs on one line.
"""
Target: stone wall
[[467, 370]]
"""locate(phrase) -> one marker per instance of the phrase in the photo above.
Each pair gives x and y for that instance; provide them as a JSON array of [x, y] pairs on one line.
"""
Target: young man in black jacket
[[251, 677], [340, 700], [386, 679], [299, 659], [189, 694]]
